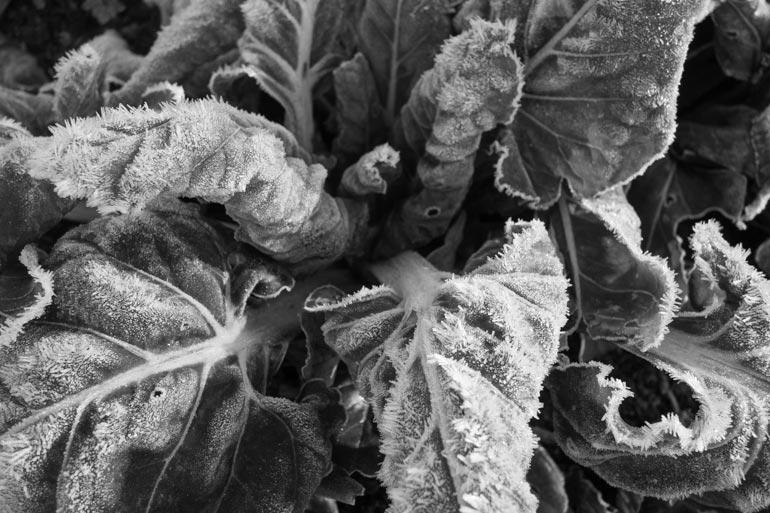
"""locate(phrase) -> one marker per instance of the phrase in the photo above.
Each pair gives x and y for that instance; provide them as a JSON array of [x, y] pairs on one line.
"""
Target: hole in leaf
[[655, 393], [432, 211], [158, 393]]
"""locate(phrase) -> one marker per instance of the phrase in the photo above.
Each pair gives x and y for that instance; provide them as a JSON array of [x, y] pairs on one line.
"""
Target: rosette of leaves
[[721, 351], [128, 359], [453, 366]]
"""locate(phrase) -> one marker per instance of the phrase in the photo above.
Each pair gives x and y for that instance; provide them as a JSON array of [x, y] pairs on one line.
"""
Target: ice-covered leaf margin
[[722, 353]]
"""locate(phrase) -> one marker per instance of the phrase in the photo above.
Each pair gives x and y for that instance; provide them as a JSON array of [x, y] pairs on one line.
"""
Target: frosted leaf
[[199, 33], [599, 99], [474, 85], [453, 367], [622, 293], [722, 353], [125, 158], [133, 391], [79, 83], [290, 45], [399, 39]]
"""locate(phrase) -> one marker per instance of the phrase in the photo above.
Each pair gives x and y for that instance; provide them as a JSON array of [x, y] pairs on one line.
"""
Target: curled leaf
[[133, 392], [721, 353], [623, 293], [599, 100], [123, 159], [453, 367], [474, 85], [371, 173]]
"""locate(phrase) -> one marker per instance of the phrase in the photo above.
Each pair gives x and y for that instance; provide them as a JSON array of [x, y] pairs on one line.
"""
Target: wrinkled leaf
[[474, 85], [721, 353], [599, 101], [198, 34], [133, 392], [452, 367], [18, 68], [357, 445], [291, 45], [741, 30], [399, 39], [623, 293], [123, 159]]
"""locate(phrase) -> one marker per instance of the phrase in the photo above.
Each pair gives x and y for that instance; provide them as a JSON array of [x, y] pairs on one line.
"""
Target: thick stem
[[412, 277]]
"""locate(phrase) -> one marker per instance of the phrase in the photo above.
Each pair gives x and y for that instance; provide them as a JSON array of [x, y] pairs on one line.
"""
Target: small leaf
[[198, 34], [79, 83], [741, 30], [371, 174], [599, 100], [290, 46], [452, 367], [399, 39]]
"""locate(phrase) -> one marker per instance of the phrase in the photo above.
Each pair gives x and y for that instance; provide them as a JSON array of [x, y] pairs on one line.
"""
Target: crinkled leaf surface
[[473, 86], [453, 368], [291, 45], [124, 158], [622, 292], [198, 34], [721, 353], [133, 393], [676, 189], [399, 39], [600, 83], [741, 30]]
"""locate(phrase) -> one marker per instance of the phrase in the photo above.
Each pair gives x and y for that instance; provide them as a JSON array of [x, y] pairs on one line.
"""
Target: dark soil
[[49, 28]]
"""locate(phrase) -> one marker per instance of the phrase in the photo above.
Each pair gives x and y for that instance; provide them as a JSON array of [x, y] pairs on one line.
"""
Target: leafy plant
[[274, 264]]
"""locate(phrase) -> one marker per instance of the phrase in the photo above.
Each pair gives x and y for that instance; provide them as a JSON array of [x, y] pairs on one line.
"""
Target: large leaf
[[474, 85], [721, 352], [198, 34], [133, 392], [453, 368], [622, 293], [600, 84], [123, 159], [399, 39], [291, 45]]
